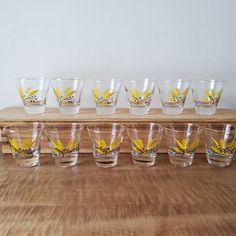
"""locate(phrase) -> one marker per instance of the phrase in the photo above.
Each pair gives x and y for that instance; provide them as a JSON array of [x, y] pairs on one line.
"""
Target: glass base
[[31, 162], [205, 110], [33, 110], [215, 160], [105, 110], [69, 110], [138, 110], [65, 162], [106, 163], [183, 162], [142, 163], [172, 111]]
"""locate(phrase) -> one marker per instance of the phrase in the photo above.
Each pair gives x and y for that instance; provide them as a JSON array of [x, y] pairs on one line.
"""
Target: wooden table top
[[88, 116], [125, 200]]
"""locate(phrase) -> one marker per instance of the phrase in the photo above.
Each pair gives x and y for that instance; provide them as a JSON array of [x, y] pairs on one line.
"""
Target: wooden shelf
[[17, 115], [88, 116], [125, 200]]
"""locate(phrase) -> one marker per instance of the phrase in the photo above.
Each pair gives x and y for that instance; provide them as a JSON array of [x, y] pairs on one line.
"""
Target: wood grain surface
[[88, 116], [125, 200]]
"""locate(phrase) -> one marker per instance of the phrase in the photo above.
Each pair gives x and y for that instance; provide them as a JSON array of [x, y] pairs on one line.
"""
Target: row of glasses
[[106, 140], [173, 93]]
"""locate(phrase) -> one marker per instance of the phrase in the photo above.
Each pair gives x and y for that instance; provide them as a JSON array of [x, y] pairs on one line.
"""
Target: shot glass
[[220, 144], [139, 94], [145, 141], [68, 93], [106, 141], [64, 143], [25, 143], [206, 96], [105, 93], [182, 143], [173, 95], [33, 93]]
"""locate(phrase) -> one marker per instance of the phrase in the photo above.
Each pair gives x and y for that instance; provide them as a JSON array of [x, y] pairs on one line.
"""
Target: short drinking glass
[[173, 95], [145, 141], [68, 93], [33, 92], [220, 144], [139, 94], [25, 143], [64, 143], [182, 142], [206, 95], [105, 93], [106, 141]]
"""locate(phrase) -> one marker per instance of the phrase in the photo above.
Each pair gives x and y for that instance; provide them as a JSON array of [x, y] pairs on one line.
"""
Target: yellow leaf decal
[[32, 93], [148, 95], [28, 90], [21, 92], [100, 151], [152, 144], [96, 93], [216, 150], [107, 91], [14, 143], [27, 144], [55, 151], [177, 150], [138, 143], [216, 143], [109, 95], [180, 144], [57, 92], [103, 144], [185, 93], [195, 144], [135, 93], [219, 93], [67, 90], [115, 144], [60, 145], [70, 94]]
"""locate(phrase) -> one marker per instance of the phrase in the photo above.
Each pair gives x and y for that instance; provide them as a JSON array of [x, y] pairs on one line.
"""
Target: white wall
[[118, 38]]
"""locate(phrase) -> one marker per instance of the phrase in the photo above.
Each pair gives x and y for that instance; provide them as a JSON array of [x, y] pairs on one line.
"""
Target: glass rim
[[66, 79], [69, 125], [26, 126], [174, 80], [214, 129], [207, 81], [89, 127], [184, 131], [146, 125], [33, 78]]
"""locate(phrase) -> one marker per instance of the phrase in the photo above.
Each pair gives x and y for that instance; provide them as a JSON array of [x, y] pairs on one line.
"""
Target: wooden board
[[86, 116], [125, 200]]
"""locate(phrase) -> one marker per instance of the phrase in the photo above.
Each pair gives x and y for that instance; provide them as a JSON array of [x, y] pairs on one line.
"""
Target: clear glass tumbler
[[68, 93], [173, 95], [139, 94], [145, 141], [206, 95], [33, 92], [220, 144], [24, 142], [105, 93], [106, 141], [182, 142], [64, 142]]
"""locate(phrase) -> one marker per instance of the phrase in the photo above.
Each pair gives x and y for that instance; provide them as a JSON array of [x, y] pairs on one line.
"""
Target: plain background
[[191, 39]]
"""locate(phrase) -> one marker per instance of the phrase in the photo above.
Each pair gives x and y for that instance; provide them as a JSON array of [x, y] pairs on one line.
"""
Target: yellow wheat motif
[[103, 148], [29, 95], [140, 99], [106, 99], [139, 147], [67, 97], [221, 147], [183, 146], [22, 147], [177, 97], [212, 97], [59, 149]]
